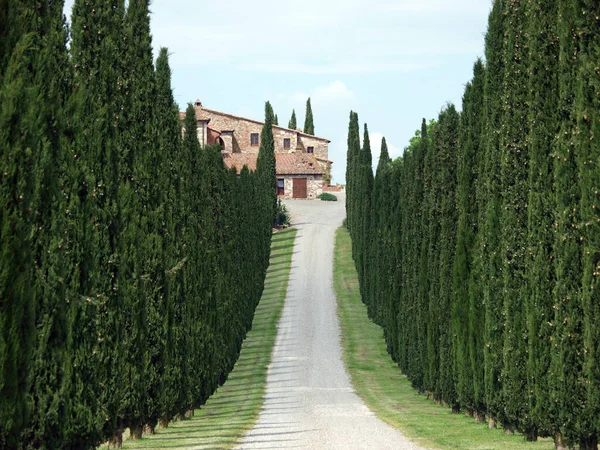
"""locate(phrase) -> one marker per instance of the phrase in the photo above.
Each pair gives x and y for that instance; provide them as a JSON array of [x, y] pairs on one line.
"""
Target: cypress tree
[[402, 278], [393, 286], [588, 105], [292, 123], [490, 281], [196, 362], [356, 177], [567, 386], [265, 166], [432, 204], [543, 92], [276, 120], [379, 197], [96, 332], [309, 126], [447, 144], [365, 179], [351, 164], [466, 317], [19, 145], [421, 250], [169, 143], [140, 198], [50, 359], [513, 220]]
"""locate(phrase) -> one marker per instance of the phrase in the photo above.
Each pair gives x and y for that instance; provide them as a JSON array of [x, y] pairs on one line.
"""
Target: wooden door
[[300, 188]]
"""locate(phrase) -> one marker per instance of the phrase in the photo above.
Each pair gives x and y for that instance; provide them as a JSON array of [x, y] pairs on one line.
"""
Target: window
[[280, 186], [254, 139], [310, 149], [286, 144]]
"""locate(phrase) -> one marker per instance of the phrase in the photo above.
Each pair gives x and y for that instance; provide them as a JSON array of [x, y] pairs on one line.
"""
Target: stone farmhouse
[[302, 161]]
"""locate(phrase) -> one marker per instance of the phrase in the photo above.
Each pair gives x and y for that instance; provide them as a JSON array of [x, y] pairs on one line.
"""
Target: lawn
[[235, 406], [379, 382]]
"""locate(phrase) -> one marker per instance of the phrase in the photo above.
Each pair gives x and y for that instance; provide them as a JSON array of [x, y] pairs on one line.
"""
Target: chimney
[[198, 104]]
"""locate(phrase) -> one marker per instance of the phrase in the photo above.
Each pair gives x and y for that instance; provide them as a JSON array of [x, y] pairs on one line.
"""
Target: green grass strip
[[235, 407], [388, 393]]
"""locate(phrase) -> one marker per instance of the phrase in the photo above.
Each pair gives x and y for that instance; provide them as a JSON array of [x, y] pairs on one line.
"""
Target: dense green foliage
[[292, 123], [478, 251], [309, 126], [131, 259], [327, 197]]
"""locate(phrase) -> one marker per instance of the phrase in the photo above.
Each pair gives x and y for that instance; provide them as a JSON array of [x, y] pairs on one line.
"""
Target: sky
[[392, 61]]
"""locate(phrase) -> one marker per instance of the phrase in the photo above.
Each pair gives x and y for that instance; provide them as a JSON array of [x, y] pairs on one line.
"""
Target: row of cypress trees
[[478, 251], [131, 259]]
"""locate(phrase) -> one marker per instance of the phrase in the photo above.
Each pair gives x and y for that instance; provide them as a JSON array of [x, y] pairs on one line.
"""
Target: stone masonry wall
[[314, 185], [321, 147], [244, 128]]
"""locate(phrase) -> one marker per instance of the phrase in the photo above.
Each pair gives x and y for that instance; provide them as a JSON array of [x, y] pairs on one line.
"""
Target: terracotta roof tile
[[297, 164], [239, 160]]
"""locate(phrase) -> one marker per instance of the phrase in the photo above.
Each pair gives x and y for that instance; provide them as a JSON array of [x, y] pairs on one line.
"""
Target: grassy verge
[[235, 406], [387, 392]]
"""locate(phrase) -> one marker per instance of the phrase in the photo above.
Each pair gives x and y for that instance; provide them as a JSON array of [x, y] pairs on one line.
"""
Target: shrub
[[327, 197], [282, 218]]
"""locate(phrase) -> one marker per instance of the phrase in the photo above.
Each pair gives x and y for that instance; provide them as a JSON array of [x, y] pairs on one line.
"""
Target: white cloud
[[330, 99], [334, 92]]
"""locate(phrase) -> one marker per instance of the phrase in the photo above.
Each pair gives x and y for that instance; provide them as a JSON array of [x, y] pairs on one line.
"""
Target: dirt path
[[310, 402]]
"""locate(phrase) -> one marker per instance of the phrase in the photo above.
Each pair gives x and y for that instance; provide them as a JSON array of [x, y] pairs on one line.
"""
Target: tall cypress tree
[[292, 123], [588, 105], [543, 92], [265, 165], [96, 307], [309, 126], [351, 165], [466, 317], [19, 146], [513, 221], [365, 180], [567, 386], [169, 147], [140, 245], [447, 146], [420, 272], [50, 359], [432, 277], [196, 362], [491, 273], [375, 254]]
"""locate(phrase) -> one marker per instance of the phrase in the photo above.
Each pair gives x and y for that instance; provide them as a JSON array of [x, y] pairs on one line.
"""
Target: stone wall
[[243, 128], [314, 185], [320, 146]]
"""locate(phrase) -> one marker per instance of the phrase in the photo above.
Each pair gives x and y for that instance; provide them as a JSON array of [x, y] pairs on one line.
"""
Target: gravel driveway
[[310, 402]]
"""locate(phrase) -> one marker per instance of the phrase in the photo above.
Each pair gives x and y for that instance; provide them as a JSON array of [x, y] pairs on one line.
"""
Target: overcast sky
[[392, 61]]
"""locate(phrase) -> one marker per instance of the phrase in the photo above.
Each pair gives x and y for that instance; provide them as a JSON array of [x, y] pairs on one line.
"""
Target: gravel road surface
[[310, 402]]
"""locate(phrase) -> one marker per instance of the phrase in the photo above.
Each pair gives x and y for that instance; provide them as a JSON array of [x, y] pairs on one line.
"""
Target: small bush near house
[[282, 219], [327, 197]]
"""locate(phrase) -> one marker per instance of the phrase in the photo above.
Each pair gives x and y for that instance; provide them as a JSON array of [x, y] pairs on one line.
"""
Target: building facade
[[303, 164]]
